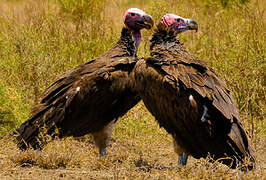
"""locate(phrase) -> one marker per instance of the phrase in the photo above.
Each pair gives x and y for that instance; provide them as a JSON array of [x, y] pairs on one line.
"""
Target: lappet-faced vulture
[[90, 97], [189, 100]]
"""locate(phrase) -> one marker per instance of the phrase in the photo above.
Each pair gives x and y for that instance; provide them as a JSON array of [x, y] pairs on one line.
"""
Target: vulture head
[[177, 24], [135, 20]]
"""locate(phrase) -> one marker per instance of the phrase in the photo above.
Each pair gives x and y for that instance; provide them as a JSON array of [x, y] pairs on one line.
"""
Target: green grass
[[41, 39]]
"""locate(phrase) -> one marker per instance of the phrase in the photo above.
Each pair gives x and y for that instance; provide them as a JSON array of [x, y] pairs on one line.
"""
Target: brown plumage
[[90, 97], [189, 100]]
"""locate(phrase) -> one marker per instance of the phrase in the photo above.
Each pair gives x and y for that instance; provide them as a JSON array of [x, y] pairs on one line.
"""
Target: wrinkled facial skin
[[178, 24], [136, 19]]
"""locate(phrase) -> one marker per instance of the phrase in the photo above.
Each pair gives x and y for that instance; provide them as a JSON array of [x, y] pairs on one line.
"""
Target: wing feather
[[72, 104], [206, 83]]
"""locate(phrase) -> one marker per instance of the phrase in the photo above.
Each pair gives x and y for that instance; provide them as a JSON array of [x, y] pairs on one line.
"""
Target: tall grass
[[41, 39]]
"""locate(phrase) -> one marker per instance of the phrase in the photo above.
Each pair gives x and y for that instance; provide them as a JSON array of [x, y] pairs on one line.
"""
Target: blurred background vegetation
[[40, 39]]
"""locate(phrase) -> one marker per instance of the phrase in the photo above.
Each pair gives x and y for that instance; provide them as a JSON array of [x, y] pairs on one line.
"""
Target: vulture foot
[[182, 159], [102, 138], [103, 152]]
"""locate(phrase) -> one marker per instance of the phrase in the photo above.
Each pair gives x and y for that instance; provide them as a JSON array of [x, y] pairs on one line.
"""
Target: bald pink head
[[178, 23], [135, 11], [136, 19]]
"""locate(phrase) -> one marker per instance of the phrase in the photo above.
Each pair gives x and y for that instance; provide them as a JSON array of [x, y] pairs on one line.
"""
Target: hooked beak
[[146, 21], [192, 25]]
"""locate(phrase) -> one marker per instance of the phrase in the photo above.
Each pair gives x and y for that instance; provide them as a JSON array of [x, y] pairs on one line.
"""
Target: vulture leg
[[182, 155], [102, 138], [182, 159]]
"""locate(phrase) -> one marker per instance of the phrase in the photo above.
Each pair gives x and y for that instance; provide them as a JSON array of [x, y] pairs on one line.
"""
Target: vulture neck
[[128, 43], [162, 41], [137, 38]]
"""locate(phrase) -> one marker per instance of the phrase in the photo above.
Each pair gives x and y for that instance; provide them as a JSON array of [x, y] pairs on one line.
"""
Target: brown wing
[[84, 100], [165, 87], [194, 74], [205, 82]]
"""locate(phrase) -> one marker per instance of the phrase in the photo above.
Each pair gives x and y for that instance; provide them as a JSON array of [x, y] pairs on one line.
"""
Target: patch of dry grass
[[41, 39], [135, 153]]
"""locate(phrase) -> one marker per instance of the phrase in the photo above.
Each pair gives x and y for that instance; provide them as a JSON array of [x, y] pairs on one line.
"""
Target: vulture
[[90, 97], [189, 100]]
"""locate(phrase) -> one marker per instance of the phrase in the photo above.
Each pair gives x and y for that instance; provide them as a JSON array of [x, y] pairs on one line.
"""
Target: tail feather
[[32, 133], [27, 135], [239, 147], [45, 116]]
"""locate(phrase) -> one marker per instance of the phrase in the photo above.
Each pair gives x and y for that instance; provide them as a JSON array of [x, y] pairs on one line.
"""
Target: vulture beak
[[147, 21], [192, 25]]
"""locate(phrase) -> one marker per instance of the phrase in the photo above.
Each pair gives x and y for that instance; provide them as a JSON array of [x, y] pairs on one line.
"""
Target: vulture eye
[[178, 20], [132, 14]]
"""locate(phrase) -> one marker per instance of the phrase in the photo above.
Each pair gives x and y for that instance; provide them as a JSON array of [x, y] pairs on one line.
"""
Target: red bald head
[[136, 19], [177, 24]]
